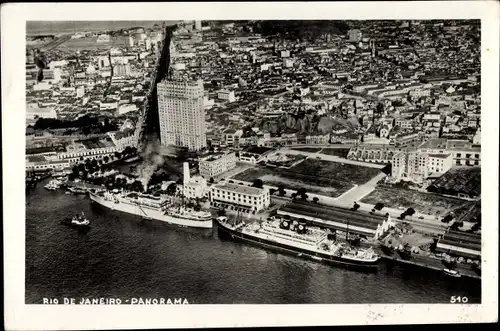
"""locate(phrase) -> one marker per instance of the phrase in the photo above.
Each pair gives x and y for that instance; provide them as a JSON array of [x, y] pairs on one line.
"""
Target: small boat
[[53, 185], [452, 273], [50, 187], [77, 220], [76, 190]]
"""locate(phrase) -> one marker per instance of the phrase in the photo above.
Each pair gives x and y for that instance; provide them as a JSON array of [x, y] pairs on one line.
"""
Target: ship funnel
[[187, 175]]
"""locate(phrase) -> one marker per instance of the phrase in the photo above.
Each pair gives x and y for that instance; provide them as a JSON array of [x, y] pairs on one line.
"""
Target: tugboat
[[52, 185], [452, 273], [77, 220]]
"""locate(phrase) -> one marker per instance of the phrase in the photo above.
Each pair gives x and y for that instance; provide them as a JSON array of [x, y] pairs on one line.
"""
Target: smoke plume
[[152, 159]]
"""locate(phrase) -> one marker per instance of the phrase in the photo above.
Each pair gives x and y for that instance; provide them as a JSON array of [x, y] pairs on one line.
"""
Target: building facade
[[182, 114], [216, 164], [193, 187], [417, 166], [226, 95], [251, 199]]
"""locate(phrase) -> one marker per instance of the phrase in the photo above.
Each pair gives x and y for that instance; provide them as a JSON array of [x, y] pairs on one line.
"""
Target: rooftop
[[458, 144], [438, 143], [460, 180], [257, 150], [242, 189], [36, 158], [439, 156]]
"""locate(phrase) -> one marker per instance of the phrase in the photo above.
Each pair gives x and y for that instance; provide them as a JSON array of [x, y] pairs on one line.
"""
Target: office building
[[226, 95], [250, 199], [216, 164], [182, 114]]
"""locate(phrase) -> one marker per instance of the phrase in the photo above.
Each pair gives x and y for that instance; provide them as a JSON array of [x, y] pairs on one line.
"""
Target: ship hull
[[150, 213], [224, 231]]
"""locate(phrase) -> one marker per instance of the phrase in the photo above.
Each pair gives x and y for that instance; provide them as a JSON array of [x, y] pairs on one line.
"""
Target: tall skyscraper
[[181, 113], [197, 25]]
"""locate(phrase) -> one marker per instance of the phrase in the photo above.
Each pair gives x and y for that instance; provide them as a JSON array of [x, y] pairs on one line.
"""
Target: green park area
[[340, 152], [316, 176]]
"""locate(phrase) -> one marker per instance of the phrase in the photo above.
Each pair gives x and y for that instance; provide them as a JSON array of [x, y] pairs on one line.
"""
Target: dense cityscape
[[360, 139]]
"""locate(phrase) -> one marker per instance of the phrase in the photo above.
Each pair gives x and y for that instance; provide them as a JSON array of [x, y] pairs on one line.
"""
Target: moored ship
[[300, 239], [151, 207]]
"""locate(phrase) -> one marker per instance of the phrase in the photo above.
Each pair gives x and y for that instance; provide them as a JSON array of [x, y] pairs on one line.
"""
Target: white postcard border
[[20, 316]]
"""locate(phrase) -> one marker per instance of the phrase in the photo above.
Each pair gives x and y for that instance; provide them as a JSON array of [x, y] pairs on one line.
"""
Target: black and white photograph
[[257, 161]]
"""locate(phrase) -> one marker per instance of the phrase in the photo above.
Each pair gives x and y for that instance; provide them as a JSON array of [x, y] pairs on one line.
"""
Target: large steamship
[[152, 207], [299, 239]]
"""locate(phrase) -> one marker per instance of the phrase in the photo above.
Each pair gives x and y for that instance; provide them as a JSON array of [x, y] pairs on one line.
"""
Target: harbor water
[[123, 256]]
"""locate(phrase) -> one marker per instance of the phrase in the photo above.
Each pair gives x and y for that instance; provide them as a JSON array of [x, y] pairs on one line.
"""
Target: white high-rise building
[[182, 114], [197, 25], [131, 41]]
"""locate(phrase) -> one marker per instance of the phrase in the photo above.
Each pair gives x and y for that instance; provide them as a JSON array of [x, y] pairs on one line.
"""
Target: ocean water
[[123, 256], [64, 27]]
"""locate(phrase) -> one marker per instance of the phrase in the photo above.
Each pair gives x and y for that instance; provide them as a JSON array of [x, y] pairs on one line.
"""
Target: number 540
[[458, 299]]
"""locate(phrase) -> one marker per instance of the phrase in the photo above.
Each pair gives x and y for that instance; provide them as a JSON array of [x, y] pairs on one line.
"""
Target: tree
[[355, 206], [281, 190], [258, 183], [315, 200], [171, 189], [475, 227], [272, 191], [302, 193], [447, 219], [410, 211], [211, 181], [379, 206], [456, 225], [106, 159]]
